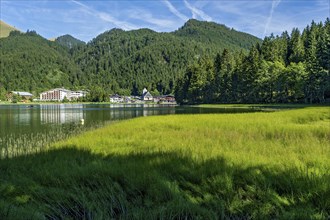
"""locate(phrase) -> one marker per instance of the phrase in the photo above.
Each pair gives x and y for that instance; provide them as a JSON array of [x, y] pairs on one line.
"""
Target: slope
[[69, 41], [32, 63], [116, 61], [5, 29], [144, 58], [216, 34]]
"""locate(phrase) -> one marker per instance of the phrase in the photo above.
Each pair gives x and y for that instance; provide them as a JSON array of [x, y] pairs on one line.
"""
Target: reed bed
[[24, 144], [230, 166]]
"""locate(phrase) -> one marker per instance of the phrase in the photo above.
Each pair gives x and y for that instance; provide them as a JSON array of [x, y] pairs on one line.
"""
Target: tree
[[314, 78], [296, 47], [223, 66], [3, 93], [250, 67]]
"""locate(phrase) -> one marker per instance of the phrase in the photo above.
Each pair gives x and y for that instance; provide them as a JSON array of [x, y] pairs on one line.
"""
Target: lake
[[54, 121]]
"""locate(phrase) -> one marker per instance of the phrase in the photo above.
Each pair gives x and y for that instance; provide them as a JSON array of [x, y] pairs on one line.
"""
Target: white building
[[146, 96], [76, 94], [24, 95], [116, 98], [59, 94]]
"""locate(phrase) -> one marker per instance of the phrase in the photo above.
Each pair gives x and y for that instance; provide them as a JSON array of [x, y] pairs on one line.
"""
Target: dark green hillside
[[69, 41], [131, 60], [288, 68], [116, 61], [32, 63], [217, 34]]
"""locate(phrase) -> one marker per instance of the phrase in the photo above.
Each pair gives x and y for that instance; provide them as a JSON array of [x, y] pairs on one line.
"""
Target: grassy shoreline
[[215, 166]]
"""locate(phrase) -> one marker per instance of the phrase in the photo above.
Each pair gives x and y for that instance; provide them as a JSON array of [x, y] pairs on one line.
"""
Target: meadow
[[273, 165]]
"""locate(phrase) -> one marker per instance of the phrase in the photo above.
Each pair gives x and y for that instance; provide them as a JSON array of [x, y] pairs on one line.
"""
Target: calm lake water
[[19, 120]]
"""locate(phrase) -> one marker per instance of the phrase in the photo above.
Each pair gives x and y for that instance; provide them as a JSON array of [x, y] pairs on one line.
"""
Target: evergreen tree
[[296, 47]]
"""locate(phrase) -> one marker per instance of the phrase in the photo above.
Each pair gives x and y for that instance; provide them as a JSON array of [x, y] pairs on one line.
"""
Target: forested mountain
[[286, 68], [116, 61], [202, 62], [126, 61], [216, 35], [69, 41], [31, 63]]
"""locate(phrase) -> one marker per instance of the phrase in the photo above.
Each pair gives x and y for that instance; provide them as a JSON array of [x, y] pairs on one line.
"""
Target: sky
[[85, 19]]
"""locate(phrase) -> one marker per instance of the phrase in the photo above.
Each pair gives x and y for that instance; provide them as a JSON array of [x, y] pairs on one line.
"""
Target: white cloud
[[147, 17], [275, 3], [175, 11], [197, 12], [106, 17]]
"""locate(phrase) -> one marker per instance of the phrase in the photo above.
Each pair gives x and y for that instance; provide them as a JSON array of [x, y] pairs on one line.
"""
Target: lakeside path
[[252, 165]]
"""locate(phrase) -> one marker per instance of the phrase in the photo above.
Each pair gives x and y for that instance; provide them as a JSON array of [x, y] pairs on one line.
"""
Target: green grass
[[228, 166], [5, 29]]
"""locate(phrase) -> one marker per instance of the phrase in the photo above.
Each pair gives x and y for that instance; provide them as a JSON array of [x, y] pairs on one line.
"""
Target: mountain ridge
[[69, 41], [117, 60]]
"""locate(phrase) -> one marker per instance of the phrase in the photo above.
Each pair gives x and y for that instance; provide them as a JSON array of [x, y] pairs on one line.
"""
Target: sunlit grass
[[212, 166], [302, 134]]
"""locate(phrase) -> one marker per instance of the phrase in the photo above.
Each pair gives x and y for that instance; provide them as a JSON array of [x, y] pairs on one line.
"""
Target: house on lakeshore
[[59, 94], [116, 98], [170, 99], [24, 95], [146, 96], [74, 95]]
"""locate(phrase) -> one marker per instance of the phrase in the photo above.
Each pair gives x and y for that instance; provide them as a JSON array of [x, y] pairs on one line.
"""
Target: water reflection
[[24, 119], [59, 114]]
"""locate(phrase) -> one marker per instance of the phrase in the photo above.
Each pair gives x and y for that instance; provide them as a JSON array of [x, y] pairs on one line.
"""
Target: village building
[[116, 98], [146, 96], [59, 94], [23, 95], [169, 98], [74, 95], [165, 99]]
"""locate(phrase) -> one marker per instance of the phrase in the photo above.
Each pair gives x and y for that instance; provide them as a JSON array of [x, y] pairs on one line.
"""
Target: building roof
[[115, 96], [22, 93], [147, 94]]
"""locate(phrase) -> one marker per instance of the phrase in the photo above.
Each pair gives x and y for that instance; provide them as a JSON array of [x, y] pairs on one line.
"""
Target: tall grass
[[230, 166], [23, 144]]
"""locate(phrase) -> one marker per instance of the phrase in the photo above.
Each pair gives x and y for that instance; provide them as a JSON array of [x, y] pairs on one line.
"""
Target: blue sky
[[86, 19]]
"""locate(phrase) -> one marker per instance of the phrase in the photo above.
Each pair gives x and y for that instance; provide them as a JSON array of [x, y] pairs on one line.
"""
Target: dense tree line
[[69, 41], [282, 69], [127, 61], [28, 62]]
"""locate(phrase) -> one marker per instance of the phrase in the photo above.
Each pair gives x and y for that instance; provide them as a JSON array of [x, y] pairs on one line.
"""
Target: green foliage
[[230, 166], [65, 100], [117, 61], [3, 93], [216, 35], [69, 41], [97, 94], [201, 62], [32, 63], [143, 58], [282, 69], [16, 98]]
